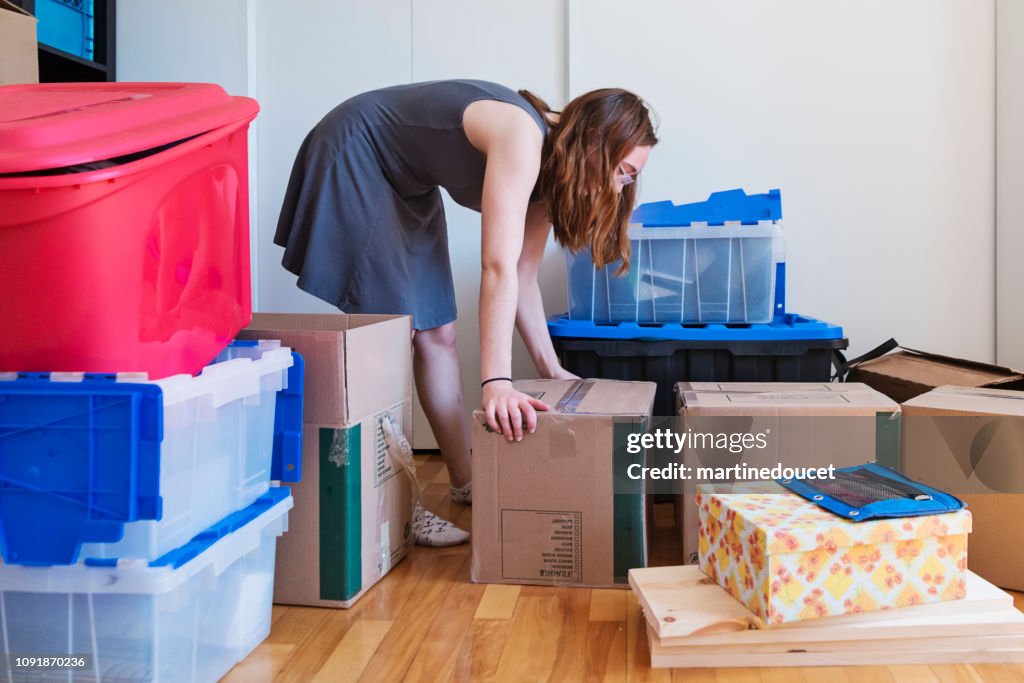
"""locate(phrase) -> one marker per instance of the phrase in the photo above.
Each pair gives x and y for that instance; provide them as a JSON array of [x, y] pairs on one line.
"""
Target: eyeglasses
[[624, 176]]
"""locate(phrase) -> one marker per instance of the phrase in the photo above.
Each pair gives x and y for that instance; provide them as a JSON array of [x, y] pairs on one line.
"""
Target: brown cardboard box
[[356, 365], [805, 425], [556, 508], [353, 508], [908, 373], [970, 442], [19, 55]]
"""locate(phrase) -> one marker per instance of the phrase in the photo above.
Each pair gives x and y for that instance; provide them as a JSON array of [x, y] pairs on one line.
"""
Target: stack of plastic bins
[[189, 615], [704, 300], [118, 466], [124, 221]]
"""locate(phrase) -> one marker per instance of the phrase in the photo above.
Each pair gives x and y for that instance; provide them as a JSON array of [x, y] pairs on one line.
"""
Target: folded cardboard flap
[[908, 373], [967, 400]]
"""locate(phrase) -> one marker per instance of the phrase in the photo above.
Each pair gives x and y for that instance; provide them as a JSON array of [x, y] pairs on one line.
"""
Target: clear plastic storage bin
[[188, 616], [686, 269]]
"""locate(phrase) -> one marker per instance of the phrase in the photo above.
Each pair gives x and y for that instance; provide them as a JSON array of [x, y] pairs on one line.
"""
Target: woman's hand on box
[[510, 411]]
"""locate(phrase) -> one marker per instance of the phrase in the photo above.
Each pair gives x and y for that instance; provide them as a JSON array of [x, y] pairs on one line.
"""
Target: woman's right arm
[[531, 320]]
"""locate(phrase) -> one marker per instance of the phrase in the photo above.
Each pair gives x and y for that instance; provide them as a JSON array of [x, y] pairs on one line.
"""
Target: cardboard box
[[970, 442], [787, 559], [356, 365], [19, 52], [805, 425], [353, 508], [352, 517], [908, 373], [557, 508]]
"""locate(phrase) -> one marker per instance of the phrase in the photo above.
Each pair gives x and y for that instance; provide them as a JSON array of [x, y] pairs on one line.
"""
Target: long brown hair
[[579, 159]]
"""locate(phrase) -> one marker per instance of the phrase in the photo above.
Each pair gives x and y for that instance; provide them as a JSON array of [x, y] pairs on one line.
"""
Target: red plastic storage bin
[[124, 226]]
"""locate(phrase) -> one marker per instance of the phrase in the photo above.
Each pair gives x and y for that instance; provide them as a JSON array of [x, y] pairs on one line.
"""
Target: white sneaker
[[464, 494], [429, 529]]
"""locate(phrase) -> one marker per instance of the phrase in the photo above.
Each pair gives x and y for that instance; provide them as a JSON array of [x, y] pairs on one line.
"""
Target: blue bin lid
[[728, 205], [786, 327]]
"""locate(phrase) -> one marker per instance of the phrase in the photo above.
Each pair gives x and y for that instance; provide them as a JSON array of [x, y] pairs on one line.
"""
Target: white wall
[[1010, 181], [184, 40], [875, 119]]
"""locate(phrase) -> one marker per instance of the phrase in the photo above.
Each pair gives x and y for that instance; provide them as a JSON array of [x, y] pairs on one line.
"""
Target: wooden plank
[[1007, 622], [480, 654], [498, 602], [532, 647], [350, 657], [682, 601], [974, 642], [607, 604], [571, 663], [606, 647], [398, 649], [956, 673], [447, 630], [914, 673], [638, 661], [1000, 673], [316, 647], [678, 657], [295, 624], [262, 664]]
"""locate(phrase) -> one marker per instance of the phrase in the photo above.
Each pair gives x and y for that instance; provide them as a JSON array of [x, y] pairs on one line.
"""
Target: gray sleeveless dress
[[362, 221]]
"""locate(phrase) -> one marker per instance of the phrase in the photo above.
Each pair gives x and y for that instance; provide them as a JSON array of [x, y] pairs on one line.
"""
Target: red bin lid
[[52, 125]]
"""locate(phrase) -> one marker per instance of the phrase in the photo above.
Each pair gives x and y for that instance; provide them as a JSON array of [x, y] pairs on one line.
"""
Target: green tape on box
[[887, 440], [341, 513], [628, 502]]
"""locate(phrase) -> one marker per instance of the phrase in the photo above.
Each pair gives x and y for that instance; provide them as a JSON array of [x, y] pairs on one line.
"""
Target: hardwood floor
[[426, 622]]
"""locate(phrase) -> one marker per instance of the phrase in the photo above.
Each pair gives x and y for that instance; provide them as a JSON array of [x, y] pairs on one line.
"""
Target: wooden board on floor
[[683, 602], [1005, 621], [977, 639], [995, 650]]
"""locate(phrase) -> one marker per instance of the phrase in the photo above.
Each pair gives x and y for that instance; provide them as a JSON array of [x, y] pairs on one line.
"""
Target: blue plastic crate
[[80, 459], [786, 327]]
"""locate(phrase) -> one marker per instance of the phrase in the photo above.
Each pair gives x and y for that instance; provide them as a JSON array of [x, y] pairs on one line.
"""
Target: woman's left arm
[[530, 318]]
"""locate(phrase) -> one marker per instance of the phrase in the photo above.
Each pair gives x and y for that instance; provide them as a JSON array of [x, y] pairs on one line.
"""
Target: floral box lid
[[787, 523]]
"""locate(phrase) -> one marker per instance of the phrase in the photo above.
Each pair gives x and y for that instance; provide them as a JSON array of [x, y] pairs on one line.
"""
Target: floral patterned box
[[787, 559]]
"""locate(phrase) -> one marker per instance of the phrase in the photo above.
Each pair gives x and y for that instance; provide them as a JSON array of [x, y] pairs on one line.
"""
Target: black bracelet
[[495, 379]]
